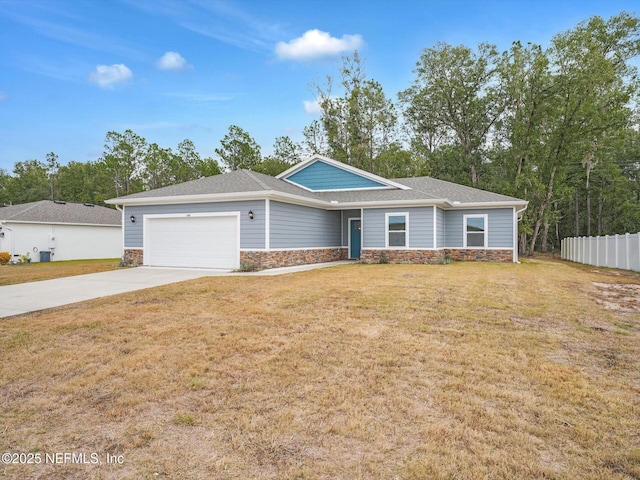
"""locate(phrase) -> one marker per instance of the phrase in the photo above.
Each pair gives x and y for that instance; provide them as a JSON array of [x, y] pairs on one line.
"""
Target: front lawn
[[33, 272], [461, 371]]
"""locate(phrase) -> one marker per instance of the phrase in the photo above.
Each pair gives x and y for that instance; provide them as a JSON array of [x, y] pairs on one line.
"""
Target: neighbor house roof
[[246, 184], [47, 211]]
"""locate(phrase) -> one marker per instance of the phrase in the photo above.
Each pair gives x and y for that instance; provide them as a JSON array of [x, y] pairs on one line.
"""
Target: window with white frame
[[397, 228], [475, 231]]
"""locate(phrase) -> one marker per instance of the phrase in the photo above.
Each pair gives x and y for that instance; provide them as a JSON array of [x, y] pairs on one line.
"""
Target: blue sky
[[72, 70]]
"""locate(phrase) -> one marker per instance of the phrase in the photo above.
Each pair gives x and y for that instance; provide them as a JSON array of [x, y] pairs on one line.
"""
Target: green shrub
[[384, 258], [446, 259], [246, 266]]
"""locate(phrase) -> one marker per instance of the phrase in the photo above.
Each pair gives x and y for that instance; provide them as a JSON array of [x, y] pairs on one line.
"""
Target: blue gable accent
[[322, 176]]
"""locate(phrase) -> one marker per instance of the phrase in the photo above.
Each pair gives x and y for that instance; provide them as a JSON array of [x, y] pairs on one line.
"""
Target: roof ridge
[[256, 179], [33, 205]]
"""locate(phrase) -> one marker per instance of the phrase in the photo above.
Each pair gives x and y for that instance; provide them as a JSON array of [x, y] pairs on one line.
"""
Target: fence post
[[606, 250], [617, 250], [573, 249], [578, 249], [638, 249], [627, 244], [638, 252]]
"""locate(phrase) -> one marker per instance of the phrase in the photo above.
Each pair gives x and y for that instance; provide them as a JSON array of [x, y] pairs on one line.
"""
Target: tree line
[[556, 126]]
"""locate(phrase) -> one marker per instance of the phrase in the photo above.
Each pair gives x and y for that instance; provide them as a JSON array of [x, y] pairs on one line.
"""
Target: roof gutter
[[300, 200]]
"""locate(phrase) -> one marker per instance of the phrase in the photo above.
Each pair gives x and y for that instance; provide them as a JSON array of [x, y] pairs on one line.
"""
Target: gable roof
[[47, 211], [246, 185], [350, 178]]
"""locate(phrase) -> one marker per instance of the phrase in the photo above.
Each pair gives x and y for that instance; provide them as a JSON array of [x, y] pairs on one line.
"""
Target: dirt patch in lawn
[[467, 371], [620, 297]]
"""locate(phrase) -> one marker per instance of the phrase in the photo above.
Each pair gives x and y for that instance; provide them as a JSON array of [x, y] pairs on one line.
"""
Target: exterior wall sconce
[[132, 218], [250, 215]]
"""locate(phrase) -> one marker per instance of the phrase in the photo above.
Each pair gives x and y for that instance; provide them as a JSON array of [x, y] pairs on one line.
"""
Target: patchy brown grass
[[462, 371], [33, 272]]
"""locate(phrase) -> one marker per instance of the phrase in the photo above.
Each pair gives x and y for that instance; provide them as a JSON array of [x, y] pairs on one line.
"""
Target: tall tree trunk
[[588, 210], [545, 237], [541, 210], [474, 175], [600, 209], [576, 232], [522, 249]]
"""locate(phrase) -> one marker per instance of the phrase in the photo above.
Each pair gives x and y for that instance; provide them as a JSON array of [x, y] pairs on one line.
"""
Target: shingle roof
[[47, 211], [453, 191], [245, 181], [231, 182]]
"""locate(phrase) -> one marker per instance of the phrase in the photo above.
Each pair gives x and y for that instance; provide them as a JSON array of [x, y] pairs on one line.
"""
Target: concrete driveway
[[34, 296], [30, 297]]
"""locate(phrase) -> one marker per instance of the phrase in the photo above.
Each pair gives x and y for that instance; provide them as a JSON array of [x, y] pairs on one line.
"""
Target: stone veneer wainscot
[[289, 258], [436, 256], [133, 256]]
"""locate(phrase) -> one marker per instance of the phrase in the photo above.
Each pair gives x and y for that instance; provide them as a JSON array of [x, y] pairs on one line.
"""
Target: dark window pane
[[475, 224], [475, 239], [397, 239], [397, 222]]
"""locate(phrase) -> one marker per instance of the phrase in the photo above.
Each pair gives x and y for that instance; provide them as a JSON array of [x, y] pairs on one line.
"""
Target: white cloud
[[172, 61], [312, 107], [315, 44], [107, 76]]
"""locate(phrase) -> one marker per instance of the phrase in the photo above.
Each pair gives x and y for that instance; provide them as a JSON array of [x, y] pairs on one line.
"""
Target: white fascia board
[[387, 203], [299, 166], [444, 203], [28, 222], [476, 205], [342, 166]]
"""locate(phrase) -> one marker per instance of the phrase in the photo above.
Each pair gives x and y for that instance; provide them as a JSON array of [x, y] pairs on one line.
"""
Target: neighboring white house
[[68, 231]]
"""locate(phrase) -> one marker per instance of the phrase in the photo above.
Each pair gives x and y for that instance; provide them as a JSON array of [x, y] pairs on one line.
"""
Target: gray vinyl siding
[[251, 231], [440, 228], [420, 226], [346, 215], [296, 226], [500, 226]]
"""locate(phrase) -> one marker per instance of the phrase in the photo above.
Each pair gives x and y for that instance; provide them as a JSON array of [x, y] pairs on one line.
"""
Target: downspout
[[515, 232], [121, 210]]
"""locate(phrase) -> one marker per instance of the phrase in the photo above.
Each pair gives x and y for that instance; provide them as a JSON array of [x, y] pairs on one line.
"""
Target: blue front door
[[355, 237]]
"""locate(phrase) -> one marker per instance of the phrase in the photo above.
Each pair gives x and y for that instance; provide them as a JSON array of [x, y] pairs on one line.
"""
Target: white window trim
[[406, 230], [485, 216]]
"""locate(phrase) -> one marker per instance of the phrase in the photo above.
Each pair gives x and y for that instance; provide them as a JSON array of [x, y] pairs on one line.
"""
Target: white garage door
[[194, 241]]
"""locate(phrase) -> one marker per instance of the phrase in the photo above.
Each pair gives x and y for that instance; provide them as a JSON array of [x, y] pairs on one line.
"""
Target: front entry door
[[355, 237]]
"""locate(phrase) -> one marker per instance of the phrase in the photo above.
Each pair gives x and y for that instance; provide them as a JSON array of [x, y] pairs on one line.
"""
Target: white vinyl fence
[[615, 251]]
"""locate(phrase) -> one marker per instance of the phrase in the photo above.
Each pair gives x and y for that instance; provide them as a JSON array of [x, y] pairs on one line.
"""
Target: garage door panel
[[196, 241]]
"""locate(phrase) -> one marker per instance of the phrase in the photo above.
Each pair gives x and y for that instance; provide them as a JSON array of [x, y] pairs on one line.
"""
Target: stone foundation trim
[[133, 256], [437, 256], [290, 258]]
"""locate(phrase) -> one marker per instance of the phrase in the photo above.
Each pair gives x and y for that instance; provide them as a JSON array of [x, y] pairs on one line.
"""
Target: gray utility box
[[45, 256]]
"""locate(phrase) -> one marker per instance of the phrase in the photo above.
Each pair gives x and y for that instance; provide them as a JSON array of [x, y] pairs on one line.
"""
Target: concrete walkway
[[34, 296]]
